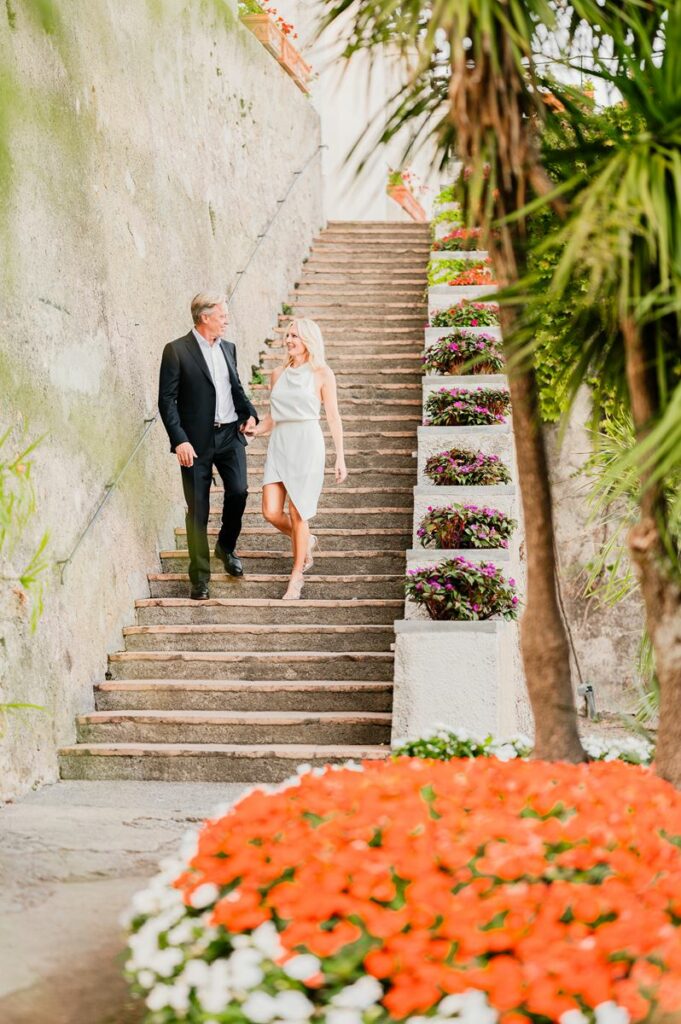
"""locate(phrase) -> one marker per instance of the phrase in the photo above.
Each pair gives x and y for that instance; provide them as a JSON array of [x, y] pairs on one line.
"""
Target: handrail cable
[[150, 420]]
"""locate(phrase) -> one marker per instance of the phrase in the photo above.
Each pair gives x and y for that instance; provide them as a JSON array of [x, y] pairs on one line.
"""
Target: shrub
[[465, 526], [459, 466], [462, 591], [459, 240], [448, 194], [464, 352], [443, 744], [452, 407], [467, 314], [441, 271], [469, 890]]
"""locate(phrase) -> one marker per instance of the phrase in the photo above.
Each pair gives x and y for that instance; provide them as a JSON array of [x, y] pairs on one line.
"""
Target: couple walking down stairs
[[245, 686]]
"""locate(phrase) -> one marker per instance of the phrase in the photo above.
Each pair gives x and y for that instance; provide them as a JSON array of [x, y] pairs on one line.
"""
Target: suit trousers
[[228, 455]]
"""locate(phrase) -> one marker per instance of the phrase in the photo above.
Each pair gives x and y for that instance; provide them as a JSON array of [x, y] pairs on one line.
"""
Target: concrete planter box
[[419, 558], [281, 48], [460, 674], [433, 334], [437, 497], [497, 440], [459, 254], [442, 296], [443, 228]]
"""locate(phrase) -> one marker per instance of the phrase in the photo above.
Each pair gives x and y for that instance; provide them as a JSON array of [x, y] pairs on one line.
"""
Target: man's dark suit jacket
[[186, 393]]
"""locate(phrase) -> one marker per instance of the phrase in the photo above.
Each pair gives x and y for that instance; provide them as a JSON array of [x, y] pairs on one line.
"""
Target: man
[[207, 414]]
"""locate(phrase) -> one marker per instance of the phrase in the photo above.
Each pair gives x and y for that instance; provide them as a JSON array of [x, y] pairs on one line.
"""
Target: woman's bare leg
[[273, 498], [300, 538]]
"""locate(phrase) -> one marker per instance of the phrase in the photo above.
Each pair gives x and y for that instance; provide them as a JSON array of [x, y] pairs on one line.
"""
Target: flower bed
[[464, 352], [442, 271], [477, 276], [459, 240], [455, 407], [467, 314], [473, 891], [457, 590], [461, 466], [465, 526], [444, 744]]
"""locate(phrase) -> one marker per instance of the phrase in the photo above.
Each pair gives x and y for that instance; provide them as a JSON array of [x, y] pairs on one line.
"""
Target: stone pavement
[[71, 855]]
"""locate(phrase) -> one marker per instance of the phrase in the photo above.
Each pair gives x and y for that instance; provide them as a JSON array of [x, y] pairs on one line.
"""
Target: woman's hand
[[341, 470]]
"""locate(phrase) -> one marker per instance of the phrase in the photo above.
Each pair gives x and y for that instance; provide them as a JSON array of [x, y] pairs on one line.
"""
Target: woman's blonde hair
[[310, 334]]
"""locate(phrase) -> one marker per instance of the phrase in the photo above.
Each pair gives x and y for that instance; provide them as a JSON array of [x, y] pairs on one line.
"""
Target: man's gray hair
[[204, 302]]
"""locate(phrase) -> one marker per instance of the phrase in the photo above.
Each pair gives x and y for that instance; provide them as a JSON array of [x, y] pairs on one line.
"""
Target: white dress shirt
[[225, 411]]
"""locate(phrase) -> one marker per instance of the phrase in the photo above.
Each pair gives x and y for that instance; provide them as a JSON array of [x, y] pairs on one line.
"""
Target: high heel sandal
[[294, 588], [309, 558]]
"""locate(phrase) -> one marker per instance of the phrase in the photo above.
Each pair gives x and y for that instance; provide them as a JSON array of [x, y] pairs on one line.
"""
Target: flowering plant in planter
[[457, 590], [467, 314], [253, 7], [441, 271], [444, 744], [476, 276], [471, 891], [465, 526], [454, 407], [464, 352], [459, 466], [458, 240]]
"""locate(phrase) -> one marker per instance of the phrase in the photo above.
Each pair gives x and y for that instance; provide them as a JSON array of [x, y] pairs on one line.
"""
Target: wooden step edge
[[190, 717], [256, 629], [308, 686], [224, 577], [318, 555], [342, 511], [322, 531], [269, 602], [268, 656], [296, 752]]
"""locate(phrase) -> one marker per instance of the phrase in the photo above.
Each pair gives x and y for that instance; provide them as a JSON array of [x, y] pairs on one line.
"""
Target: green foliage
[[286, 309], [462, 591], [448, 194], [440, 271], [458, 467], [465, 526], [443, 744], [258, 376]]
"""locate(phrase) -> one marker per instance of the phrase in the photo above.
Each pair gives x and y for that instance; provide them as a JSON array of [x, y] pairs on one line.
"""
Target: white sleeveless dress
[[296, 452]]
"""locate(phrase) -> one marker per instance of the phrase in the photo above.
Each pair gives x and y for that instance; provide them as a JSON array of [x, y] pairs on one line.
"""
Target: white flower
[[244, 968], [302, 967], [292, 1006], [146, 979], [573, 1017], [260, 1008], [506, 752], [266, 939], [611, 1013], [178, 996], [182, 932], [304, 769], [343, 1015], [189, 846], [164, 961], [204, 895], [215, 993], [195, 973], [158, 997], [470, 1007], [359, 996]]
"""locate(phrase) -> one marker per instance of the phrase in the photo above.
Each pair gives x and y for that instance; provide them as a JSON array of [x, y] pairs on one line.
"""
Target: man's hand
[[249, 426], [186, 454]]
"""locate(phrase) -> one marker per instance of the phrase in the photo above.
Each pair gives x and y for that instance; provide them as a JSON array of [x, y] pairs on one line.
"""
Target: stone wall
[[150, 143]]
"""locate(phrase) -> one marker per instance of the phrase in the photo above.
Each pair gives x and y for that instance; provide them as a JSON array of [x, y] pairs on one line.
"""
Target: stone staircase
[[244, 687]]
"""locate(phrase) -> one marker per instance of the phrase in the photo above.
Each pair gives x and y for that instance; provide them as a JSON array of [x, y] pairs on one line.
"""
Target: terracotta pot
[[406, 199], [281, 48]]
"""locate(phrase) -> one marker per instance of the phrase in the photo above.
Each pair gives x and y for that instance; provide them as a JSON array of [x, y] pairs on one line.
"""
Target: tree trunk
[[659, 582], [544, 643]]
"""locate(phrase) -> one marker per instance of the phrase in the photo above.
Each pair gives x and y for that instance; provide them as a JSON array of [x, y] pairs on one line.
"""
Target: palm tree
[[490, 108], [624, 237]]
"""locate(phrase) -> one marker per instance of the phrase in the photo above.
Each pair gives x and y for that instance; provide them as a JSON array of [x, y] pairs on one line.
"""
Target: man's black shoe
[[231, 562], [200, 592]]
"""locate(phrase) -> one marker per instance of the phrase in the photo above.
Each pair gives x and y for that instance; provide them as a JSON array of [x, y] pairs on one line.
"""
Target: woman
[[294, 466]]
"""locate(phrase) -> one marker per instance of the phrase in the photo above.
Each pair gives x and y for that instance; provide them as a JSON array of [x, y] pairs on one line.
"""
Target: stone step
[[263, 664], [362, 390], [257, 727], [346, 319], [358, 474], [242, 695], [331, 539], [344, 611], [244, 636], [364, 333], [397, 227], [187, 762], [348, 313], [339, 518], [355, 358], [385, 458], [261, 560], [357, 438], [271, 586], [368, 245], [342, 285], [354, 376], [377, 302], [358, 494], [365, 263]]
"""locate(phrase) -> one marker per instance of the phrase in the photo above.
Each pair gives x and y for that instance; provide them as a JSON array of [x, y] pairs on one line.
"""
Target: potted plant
[[402, 187], [458, 467], [465, 526], [464, 352], [457, 589], [276, 35], [458, 240], [467, 314], [458, 407]]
